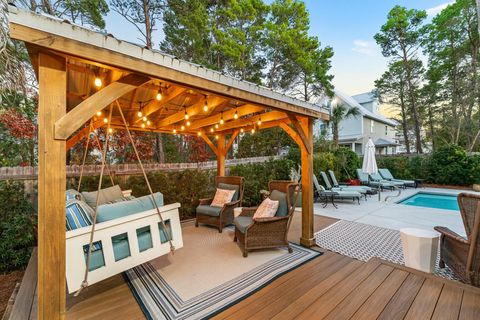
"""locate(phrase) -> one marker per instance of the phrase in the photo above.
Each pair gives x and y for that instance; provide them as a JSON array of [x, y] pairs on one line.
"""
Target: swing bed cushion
[[79, 214]]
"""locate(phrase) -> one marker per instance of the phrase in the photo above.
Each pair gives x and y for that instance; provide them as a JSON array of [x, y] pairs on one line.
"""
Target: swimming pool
[[432, 200]]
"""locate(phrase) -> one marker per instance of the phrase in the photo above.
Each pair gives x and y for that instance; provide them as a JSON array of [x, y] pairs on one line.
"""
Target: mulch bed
[[7, 284], [443, 186]]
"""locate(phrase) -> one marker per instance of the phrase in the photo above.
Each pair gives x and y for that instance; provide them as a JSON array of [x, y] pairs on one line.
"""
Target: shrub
[[17, 227], [449, 165], [346, 163], [257, 176]]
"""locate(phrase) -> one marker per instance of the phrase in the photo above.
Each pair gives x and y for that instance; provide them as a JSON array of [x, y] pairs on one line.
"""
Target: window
[[372, 126], [386, 130]]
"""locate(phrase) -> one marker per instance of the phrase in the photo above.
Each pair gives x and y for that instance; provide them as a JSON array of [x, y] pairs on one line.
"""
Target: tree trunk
[[404, 119], [47, 6], [148, 24], [159, 148], [335, 135], [432, 130]]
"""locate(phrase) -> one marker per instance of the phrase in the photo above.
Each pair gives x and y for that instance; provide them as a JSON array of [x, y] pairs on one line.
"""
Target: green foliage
[[346, 163], [339, 113], [263, 143], [257, 176], [449, 165], [17, 227]]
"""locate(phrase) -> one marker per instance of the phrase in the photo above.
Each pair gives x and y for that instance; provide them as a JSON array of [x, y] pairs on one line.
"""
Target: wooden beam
[[307, 238], [210, 144], [298, 127], [193, 110], [227, 115], [51, 293], [292, 133], [230, 142], [139, 62], [221, 155], [80, 135], [268, 116], [70, 122], [154, 105]]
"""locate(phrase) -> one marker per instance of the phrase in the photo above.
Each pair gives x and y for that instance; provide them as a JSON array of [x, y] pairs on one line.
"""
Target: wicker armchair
[[460, 254], [266, 232], [221, 217]]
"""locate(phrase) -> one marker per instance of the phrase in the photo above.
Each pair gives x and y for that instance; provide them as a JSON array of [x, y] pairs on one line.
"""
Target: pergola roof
[[184, 86]]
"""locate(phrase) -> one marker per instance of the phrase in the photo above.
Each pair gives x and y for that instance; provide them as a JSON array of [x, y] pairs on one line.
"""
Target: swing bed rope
[[94, 218]]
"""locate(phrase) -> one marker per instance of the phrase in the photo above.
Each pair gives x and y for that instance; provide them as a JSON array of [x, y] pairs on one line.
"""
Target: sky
[[347, 26]]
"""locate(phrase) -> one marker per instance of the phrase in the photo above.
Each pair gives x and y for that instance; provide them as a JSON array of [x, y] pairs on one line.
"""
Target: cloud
[[368, 48], [436, 10]]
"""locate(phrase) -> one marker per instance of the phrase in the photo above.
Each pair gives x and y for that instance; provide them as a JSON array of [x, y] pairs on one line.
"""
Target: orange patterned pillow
[[222, 196], [266, 209]]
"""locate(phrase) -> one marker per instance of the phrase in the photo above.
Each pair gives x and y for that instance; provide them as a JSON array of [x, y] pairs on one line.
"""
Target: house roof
[[364, 97], [63, 29], [382, 142], [364, 111]]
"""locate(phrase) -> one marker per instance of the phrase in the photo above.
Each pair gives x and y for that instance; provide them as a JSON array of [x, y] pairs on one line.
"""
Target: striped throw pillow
[[79, 215]]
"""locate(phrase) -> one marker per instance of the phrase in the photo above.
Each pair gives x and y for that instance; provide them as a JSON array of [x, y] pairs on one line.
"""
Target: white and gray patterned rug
[[363, 241], [207, 275]]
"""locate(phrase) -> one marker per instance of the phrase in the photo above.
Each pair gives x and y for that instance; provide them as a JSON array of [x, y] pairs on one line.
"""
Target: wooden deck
[[329, 287]]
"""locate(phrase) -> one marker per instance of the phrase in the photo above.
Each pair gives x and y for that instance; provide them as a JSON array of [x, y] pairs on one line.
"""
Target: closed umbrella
[[369, 162]]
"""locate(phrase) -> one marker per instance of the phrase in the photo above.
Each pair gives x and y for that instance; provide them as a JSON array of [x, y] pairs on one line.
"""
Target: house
[[355, 131]]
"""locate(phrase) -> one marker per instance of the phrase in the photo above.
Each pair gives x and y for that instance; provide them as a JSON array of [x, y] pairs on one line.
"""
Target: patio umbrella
[[369, 162]]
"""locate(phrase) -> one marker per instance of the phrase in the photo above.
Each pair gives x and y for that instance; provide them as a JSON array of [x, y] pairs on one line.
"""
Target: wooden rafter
[[154, 105], [291, 132], [210, 144], [300, 130], [268, 116], [193, 110], [230, 142], [70, 122]]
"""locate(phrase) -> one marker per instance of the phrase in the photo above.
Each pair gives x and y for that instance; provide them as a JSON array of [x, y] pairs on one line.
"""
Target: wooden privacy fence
[[31, 173]]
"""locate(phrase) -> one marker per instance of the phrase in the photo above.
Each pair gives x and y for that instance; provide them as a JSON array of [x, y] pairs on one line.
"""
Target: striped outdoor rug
[[207, 275], [363, 241]]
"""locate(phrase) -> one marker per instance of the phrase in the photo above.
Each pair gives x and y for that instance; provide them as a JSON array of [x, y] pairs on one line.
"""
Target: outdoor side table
[[327, 196], [420, 248], [237, 211]]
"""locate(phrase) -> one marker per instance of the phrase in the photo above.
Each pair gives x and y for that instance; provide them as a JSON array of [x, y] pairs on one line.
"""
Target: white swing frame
[[76, 239]]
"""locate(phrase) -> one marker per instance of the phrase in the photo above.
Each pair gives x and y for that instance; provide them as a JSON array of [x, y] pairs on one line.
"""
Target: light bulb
[[205, 106], [144, 118], [216, 126], [143, 125], [182, 127], [211, 130], [186, 115], [148, 123], [188, 123], [235, 116], [159, 95], [216, 136], [98, 82], [241, 130], [174, 130], [105, 120], [259, 121], [221, 121], [199, 133], [253, 130], [99, 113], [139, 114], [110, 130]]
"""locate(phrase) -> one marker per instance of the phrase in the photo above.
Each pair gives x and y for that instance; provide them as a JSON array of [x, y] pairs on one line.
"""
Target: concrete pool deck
[[396, 216]]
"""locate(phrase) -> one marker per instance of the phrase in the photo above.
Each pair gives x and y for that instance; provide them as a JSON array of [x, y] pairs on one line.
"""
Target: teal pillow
[[106, 195], [226, 186], [281, 197], [121, 209]]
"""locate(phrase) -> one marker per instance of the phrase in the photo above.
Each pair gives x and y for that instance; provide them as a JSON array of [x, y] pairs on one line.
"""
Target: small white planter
[[420, 248]]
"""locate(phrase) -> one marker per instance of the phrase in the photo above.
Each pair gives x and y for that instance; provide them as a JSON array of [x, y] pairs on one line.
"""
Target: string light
[[241, 130], [235, 116], [211, 130], [205, 105], [144, 119], [182, 127], [143, 125], [159, 95], [105, 120], [221, 118], [188, 123], [174, 130], [110, 130], [259, 121], [186, 114], [199, 133], [216, 126], [99, 113], [216, 136], [98, 82], [140, 114], [253, 130], [148, 123]]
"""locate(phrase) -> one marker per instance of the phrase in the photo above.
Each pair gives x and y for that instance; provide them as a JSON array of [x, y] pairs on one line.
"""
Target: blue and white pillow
[[78, 215]]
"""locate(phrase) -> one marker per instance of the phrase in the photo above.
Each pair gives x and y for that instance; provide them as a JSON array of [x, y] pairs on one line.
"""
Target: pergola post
[[221, 155], [51, 291], [307, 238]]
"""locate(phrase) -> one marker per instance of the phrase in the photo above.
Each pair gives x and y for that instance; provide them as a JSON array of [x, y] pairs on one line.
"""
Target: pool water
[[431, 200]]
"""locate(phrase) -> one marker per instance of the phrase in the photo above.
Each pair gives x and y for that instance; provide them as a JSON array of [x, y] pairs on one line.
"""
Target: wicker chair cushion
[[281, 197], [209, 210], [227, 186], [241, 223], [222, 196]]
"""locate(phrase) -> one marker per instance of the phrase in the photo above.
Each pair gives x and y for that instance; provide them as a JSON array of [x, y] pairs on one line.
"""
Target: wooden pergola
[[68, 61]]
